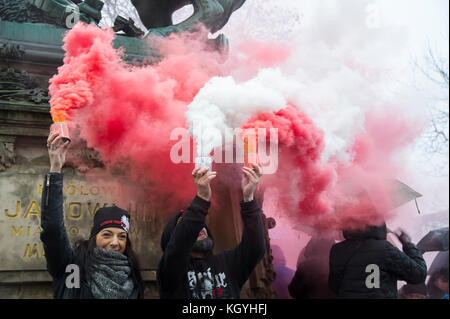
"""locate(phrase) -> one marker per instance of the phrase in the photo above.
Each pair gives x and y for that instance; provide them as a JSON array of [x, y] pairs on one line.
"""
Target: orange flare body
[[250, 150]]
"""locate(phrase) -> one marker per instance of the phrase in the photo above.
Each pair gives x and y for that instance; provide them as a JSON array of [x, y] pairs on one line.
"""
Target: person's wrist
[[204, 196], [248, 198], [55, 169]]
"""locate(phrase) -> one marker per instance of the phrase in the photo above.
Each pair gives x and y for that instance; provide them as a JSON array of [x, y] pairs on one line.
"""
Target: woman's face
[[112, 238]]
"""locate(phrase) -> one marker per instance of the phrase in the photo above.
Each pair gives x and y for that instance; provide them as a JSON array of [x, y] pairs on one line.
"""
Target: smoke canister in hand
[[204, 161], [63, 130], [250, 146]]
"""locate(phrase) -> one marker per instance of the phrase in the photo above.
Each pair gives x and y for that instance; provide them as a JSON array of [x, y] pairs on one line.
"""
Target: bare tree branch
[[435, 140]]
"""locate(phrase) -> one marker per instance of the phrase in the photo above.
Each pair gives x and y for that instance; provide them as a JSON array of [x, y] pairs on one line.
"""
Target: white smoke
[[339, 67], [223, 103]]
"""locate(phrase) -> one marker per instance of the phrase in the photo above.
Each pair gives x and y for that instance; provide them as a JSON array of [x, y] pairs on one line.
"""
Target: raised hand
[[202, 181], [57, 150], [250, 181], [402, 236]]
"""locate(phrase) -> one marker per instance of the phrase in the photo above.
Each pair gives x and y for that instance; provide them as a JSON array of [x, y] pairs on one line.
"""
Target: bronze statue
[[156, 15]]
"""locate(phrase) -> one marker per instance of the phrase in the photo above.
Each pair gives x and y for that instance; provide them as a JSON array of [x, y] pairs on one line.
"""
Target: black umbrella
[[439, 262], [435, 240]]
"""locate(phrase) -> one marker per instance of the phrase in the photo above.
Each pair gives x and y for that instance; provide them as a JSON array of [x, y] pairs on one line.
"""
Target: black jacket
[[311, 278], [58, 251], [221, 276], [349, 259]]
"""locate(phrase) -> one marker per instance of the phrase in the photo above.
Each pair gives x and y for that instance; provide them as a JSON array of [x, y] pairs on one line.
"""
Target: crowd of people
[[109, 267], [329, 270], [349, 260]]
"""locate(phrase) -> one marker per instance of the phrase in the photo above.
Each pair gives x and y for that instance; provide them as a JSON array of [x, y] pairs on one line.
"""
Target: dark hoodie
[[349, 261], [181, 276]]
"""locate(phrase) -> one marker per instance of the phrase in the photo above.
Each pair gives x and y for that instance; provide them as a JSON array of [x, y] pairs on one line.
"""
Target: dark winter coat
[[58, 251], [311, 278], [349, 260], [181, 276]]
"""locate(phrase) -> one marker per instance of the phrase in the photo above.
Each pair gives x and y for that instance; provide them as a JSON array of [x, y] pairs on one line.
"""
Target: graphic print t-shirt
[[207, 285]]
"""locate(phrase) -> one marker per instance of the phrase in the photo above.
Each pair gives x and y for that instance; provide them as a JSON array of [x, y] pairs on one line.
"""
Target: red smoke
[[332, 195], [127, 113], [300, 148], [89, 55]]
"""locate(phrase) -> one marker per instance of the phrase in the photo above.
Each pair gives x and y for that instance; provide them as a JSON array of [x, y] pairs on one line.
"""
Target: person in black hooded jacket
[[352, 272], [188, 268]]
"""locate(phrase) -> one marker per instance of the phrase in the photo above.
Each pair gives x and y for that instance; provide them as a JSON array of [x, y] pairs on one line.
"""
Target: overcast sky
[[426, 19]]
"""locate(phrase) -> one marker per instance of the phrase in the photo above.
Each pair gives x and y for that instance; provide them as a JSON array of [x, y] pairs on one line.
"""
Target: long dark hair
[[84, 250]]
